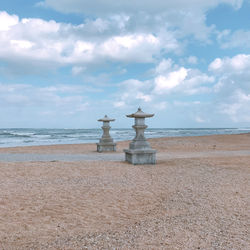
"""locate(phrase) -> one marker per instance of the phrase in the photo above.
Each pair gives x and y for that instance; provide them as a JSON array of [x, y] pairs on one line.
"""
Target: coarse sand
[[195, 197]]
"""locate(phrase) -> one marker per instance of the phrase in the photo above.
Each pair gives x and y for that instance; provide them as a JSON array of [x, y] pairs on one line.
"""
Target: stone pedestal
[[106, 143], [140, 157], [139, 151]]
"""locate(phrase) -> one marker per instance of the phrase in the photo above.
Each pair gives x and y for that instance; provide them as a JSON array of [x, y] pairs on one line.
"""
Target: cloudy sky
[[66, 63]]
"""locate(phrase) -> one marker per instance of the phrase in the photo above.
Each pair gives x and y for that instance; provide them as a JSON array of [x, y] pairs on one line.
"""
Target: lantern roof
[[106, 119], [139, 114]]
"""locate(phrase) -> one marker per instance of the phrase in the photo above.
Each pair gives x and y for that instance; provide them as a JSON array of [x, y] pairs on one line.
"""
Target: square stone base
[[140, 157], [106, 147]]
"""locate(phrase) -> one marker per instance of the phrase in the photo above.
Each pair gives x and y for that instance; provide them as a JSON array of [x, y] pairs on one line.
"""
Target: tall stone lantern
[[106, 143], [139, 151]]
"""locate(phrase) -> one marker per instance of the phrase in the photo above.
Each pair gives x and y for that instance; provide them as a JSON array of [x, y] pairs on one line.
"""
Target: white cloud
[[98, 7], [199, 119], [192, 59], [232, 88], [160, 105], [133, 93], [76, 70], [198, 83], [7, 21], [188, 17], [123, 36], [170, 81], [48, 44], [237, 107], [145, 98], [59, 98], [21, 44], [164, 66], [139, 47], [119, 104], [173, 78], [215, 65], [185, 104], [167, 78], [235, 64], [237, 39]]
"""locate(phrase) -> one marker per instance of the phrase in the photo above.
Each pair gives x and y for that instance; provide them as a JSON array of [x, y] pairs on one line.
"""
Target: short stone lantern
[[139, 151], [106, 143]]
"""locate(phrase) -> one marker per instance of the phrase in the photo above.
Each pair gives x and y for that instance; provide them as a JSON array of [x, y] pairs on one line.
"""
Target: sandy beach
[[71, 197]]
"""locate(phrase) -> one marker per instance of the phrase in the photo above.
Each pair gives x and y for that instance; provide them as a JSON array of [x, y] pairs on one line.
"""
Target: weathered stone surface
[[106, 147], [138, 157], [139, 151], [106, 143]]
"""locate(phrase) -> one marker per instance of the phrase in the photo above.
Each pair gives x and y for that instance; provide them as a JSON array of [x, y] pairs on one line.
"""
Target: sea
[[13, 137]]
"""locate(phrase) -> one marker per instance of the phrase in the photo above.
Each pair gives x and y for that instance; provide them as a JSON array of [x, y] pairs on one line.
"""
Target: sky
[[67, 63]]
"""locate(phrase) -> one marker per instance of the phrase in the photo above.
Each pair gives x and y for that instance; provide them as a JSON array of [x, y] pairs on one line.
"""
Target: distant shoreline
[[85, 148], [39, 137]]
